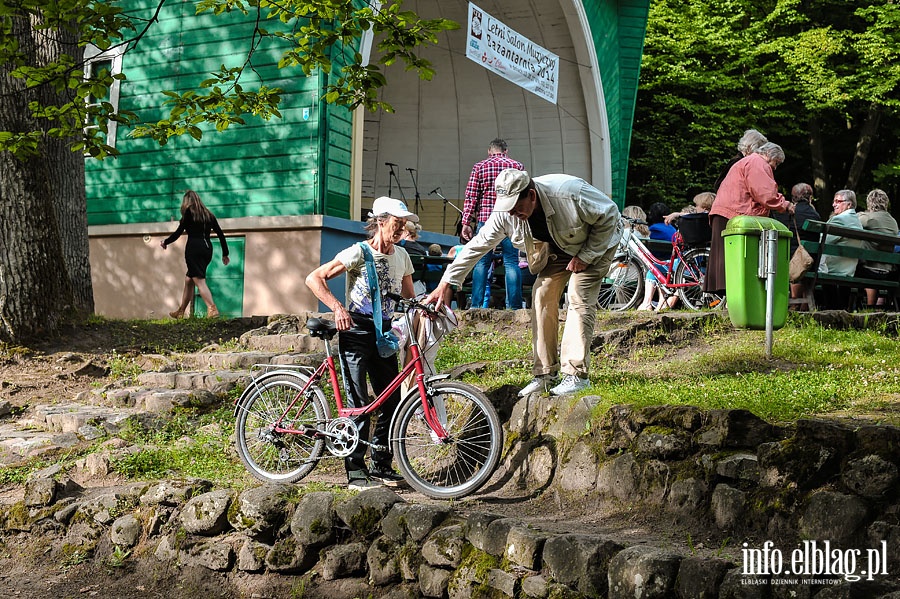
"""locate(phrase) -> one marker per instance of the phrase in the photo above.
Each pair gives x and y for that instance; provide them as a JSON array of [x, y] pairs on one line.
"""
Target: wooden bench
[[814, 279]]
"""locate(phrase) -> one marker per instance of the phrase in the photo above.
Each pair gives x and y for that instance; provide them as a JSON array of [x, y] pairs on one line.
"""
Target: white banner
[[502, 50]]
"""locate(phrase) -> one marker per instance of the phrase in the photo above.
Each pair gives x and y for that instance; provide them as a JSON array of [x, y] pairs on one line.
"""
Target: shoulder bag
[[801, 261]]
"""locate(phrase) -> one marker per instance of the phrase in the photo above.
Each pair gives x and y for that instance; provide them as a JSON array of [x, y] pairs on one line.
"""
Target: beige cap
[[509, 184]]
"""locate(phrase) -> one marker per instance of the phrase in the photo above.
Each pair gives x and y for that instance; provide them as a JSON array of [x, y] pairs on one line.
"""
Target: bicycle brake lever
[[411, 301]]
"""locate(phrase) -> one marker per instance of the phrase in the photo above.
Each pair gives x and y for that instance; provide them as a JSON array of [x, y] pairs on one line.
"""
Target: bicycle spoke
[[270, 455], [463, 461], [622, 286]]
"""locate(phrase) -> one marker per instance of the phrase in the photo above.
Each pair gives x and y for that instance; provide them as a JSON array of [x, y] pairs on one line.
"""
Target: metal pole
[[771, 264]]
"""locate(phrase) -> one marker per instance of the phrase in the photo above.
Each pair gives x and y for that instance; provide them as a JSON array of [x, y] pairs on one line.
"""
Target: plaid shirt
[[481, 186]]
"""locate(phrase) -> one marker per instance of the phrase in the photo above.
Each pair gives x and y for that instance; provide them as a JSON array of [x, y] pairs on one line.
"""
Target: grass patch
[[813, 371], [187, 444], [465, 347]]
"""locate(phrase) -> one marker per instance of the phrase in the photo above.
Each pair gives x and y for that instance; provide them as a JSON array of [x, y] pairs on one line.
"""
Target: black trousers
[[359, 358]]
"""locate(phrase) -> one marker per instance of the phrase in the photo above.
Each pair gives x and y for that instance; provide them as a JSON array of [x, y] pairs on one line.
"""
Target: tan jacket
[[581, 219]]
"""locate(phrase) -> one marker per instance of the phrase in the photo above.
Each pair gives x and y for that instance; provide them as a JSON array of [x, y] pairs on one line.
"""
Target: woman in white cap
[[358, 330]]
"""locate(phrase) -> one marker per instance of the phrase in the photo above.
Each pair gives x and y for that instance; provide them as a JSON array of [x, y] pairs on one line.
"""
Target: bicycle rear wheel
[[461, 463], [691, 271], [623, 285], [280, 457]]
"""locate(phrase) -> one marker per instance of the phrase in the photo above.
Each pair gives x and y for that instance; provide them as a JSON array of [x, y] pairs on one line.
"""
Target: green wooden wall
[[262, 168], [618, 29], [299, 164]]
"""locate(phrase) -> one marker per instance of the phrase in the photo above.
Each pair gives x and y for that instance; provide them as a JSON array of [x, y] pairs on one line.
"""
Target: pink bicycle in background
[[681, 274]]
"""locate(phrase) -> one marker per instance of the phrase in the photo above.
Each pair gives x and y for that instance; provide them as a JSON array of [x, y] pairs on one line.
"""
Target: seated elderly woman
[[837, 297], [876, 219]]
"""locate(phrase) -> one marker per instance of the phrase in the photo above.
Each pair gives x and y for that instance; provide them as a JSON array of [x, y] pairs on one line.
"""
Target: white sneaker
[[570, 384], [538, 384]]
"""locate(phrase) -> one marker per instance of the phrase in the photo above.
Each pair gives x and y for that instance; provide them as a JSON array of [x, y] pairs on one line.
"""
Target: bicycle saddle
[[324, 329]]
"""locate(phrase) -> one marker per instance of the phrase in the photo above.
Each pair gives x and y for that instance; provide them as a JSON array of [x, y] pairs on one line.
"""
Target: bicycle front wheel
[[623, 285], [460, 464], [691, 271], [271, 456]]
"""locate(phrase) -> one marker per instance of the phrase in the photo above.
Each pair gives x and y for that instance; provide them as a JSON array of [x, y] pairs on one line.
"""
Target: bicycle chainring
[[343, 437]]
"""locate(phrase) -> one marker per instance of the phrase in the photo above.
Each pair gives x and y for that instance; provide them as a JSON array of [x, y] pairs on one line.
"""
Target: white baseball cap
[[386, 205], [508, 185]]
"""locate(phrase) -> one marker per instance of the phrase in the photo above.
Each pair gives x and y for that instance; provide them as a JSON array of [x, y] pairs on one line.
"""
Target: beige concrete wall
[[276, 265], [134, 277]]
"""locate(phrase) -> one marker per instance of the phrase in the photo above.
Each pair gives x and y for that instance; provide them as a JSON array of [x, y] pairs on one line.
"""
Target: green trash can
[[745, 280]]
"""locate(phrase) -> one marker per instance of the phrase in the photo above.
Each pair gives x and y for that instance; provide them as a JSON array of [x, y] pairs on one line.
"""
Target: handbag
[[801, 261], [387, 343]]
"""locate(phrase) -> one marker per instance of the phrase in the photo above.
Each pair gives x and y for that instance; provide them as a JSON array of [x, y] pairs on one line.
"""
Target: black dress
[[198, 250]]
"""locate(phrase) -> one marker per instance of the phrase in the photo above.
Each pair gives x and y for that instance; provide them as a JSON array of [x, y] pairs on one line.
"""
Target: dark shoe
[[386, 475], [361, 484]]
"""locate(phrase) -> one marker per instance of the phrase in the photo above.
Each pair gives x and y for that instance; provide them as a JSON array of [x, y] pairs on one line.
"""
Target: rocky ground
[[58, 395]]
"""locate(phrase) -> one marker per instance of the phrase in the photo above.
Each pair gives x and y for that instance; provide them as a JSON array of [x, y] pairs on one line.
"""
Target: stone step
[[218, 382], [285, 343], [148, 399], [74, 417], [19, 441], [245, 360]]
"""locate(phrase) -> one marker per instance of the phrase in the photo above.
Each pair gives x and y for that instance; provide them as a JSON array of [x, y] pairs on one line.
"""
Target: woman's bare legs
[[649, 291], [206, 296], [186, 296]]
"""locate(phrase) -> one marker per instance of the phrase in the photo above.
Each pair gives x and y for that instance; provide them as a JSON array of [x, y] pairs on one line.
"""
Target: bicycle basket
[[695, 229]]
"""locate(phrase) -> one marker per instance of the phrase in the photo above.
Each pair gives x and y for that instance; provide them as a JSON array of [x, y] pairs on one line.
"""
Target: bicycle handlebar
[[634, 221], [411, 303]]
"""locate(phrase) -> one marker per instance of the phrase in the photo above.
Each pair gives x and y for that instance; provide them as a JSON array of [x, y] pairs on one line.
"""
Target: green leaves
[[314, 36], [714, 68]]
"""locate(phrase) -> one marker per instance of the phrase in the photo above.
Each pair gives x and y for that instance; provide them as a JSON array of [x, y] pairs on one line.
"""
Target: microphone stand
[[412, 174], [393, 177], [437, 191]]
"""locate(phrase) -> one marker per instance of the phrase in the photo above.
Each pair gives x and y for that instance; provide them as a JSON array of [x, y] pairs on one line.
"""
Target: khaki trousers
[[584, 290]]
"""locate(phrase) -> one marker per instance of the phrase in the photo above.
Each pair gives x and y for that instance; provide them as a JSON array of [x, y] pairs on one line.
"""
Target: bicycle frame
[[328, 365], [635, 247]]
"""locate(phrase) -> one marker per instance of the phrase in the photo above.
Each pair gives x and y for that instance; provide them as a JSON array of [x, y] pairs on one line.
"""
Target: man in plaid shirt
[[480, 197]]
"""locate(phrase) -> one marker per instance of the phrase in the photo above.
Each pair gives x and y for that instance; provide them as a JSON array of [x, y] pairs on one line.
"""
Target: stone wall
[[727, 469]]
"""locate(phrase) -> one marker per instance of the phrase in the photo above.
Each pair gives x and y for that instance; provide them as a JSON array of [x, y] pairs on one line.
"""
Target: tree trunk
[[65, 174], [34, 288], [863, 145], [821, 182]]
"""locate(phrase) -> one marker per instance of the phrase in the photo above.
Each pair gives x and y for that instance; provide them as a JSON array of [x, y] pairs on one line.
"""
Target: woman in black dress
[[199, 223]]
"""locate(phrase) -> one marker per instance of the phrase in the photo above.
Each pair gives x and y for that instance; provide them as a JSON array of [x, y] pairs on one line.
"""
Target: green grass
[[813, 371], [465, 347], [184, 445]]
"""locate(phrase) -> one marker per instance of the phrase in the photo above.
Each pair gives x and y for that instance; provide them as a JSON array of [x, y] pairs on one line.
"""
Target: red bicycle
[[445, 435]]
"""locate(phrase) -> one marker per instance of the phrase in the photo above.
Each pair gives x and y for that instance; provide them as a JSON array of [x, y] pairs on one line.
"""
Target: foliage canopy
[[307, 31]]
